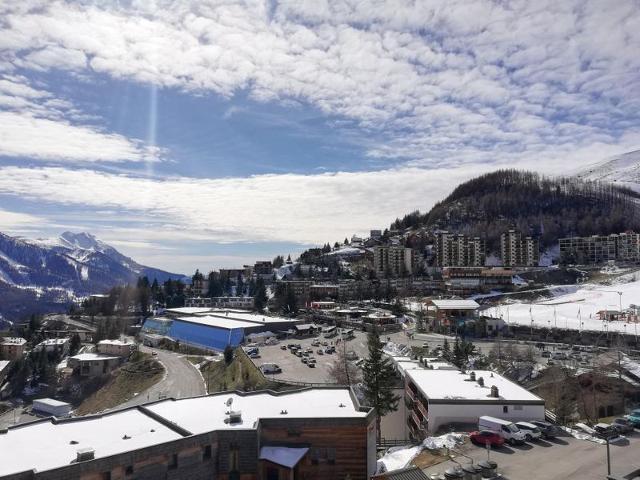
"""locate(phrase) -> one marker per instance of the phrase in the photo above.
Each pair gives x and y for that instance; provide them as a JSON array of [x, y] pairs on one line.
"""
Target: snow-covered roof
[[51, 402], [53, 341], [3, 364], [12, 341], [218, 322], [45, 445], [316, 403], [456, 304], [88, 357], [114, 342], [187, 310], [451, 385], [252, 317]]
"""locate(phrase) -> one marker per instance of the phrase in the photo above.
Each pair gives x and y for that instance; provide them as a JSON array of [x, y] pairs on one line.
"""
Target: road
[[181, 380]]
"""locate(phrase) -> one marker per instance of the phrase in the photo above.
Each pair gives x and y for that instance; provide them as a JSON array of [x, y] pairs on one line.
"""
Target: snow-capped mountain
[[55, 270], [623, 170]]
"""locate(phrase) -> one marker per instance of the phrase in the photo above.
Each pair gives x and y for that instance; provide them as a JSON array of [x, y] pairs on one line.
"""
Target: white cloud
[[439, 76], [16, 222]]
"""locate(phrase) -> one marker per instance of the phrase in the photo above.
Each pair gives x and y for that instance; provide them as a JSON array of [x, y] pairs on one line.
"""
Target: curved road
[[181, 380]]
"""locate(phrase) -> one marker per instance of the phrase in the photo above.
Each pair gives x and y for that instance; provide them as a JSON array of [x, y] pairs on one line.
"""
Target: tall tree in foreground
[[379, 380], [342, 371], [260, 298]]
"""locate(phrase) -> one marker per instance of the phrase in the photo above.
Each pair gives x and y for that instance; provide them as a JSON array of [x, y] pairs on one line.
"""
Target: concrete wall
[[394, 425], [442, 414]]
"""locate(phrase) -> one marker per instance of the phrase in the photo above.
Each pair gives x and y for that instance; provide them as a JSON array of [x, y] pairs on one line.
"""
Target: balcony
[[411, 394], [422, 409]]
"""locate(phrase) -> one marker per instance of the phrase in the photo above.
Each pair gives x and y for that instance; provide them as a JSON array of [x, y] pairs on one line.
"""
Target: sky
[[208, 134]]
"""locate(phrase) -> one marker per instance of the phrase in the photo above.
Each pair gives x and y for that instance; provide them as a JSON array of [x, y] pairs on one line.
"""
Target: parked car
[[486, 437], [320, 351], [270, 368], [283, 347], [305, 359], [505, 428], [634, 417], [605, 431], [622, 425], [548, 430], [311, 362], [531, 432], [546, 354], [315, 343]]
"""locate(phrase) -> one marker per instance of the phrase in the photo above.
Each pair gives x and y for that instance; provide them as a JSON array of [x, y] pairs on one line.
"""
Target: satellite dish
[[229, 402]]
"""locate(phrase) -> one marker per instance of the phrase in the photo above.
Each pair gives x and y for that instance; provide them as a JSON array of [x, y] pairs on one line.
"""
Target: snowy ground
[[576, 307], [400, 457]]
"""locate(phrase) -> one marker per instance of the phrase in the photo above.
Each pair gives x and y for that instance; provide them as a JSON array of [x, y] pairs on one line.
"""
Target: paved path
[[181, 380]]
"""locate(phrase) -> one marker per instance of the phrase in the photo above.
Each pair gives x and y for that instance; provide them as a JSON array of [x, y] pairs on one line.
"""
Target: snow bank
[[399, 457]]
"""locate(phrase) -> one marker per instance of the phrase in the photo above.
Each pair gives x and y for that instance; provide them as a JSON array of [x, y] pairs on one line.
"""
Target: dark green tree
[[75, 344], [379, 379], [228, 354], [260, 297]]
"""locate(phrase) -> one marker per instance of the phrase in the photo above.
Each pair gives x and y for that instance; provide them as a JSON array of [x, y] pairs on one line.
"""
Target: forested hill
[[549, 208]]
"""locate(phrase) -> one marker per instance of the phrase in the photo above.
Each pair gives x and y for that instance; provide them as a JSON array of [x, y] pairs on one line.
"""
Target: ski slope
[[576, 308]]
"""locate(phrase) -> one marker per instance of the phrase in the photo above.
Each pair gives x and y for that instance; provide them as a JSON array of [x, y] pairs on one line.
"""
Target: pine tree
[[379, 380], [260, 298], [446, 350]]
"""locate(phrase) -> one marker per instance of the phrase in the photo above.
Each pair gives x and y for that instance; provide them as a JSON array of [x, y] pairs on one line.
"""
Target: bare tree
[[342, 371]]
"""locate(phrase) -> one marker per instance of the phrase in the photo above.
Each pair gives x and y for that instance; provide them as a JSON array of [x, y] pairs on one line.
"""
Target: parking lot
[[564, 458], [293, 369]]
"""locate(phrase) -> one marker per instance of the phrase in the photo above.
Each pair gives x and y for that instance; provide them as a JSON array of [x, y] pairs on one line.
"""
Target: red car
[[484, 437]]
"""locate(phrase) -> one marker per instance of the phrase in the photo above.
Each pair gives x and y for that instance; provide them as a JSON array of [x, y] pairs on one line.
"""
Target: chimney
[[481, 382], [472, 376], [495, 393], [85, 454]]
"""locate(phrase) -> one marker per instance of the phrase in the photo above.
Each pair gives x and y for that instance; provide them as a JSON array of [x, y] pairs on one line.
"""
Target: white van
[[270, 368], [504, 428]]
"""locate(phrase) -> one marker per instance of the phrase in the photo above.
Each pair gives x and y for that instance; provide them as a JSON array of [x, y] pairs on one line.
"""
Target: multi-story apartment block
[[313, 434], [458, 250], [12, 348], [263, 267], [519, 251], [624, 247], [394, 260]]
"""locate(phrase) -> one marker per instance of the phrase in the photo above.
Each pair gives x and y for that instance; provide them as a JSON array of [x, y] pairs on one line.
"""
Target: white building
[[441, 397], [60, 345], [115, 347]]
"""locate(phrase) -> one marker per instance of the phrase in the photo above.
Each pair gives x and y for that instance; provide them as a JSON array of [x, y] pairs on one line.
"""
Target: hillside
[[548, 208], [44, 275], [622, 169]]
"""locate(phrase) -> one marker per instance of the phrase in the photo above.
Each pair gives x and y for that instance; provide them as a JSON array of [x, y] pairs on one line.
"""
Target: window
[[234, 460], [128, 470], [173, 461], [505, 409], [206, 452]]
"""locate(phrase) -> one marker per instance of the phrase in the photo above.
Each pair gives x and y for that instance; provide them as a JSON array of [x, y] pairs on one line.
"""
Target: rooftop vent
[[495, 393], [342, 405], [283, 412], [126, 437], [85, 454], [472, 376], [235, 416], [73, 442], [481, 382]]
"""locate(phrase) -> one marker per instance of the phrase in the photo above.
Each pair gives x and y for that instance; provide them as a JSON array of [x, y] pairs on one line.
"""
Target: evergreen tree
[[379, 380], [75, 344], [290, 306], [446, 350], [260, 297], [215, 288]]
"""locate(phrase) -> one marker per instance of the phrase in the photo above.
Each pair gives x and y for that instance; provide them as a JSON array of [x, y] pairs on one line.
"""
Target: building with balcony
[[12, 348], [458, 250], [519, 251], [623, 247], [437, 398]]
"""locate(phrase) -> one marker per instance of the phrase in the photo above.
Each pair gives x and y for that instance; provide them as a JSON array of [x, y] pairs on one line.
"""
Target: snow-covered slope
[[77, 264], [623, 170]]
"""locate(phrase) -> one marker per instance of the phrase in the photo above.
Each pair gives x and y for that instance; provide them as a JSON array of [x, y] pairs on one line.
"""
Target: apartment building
[[623, 247], [437, 398], [311, 433], [220, 302], [263, 267], [12, 348], [458, 250], [519, 251], [394, 260], [57, 345], [94, 364], [118, 348]]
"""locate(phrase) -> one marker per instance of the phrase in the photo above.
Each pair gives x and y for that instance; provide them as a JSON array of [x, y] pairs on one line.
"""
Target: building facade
[[458, 250], [12, 348], [394, 261], [623, 247], [519, 251]]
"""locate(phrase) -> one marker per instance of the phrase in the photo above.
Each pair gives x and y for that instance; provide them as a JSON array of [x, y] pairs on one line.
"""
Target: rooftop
[[114, 342], [456, 304], [454, 385], [316, 403], [87, 357], [53, 341], [12, 341], [47, 444], [219, 322], [4, 364], [188, 310]]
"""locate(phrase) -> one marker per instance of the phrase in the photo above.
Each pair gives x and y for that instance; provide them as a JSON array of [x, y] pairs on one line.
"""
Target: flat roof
[[188, 310], [456, 304], [4, 364], [255, 318], [218, 322], [84, 357], [114, 342], [315, 403], [12, 341], [45, 445], [52, 402], [454, 385], [53, 341]]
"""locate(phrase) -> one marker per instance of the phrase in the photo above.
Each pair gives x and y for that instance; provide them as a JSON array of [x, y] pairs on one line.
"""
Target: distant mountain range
[[44, 275]]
